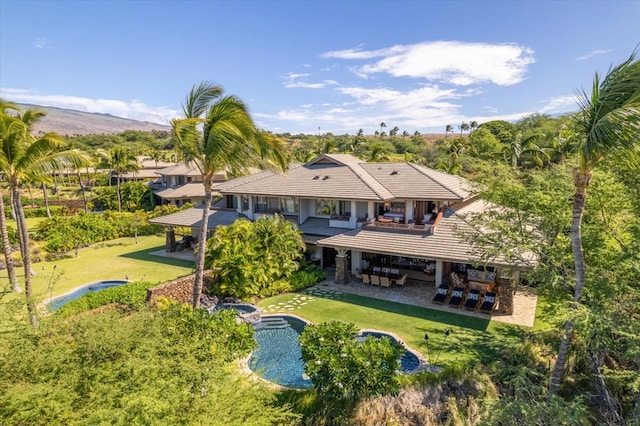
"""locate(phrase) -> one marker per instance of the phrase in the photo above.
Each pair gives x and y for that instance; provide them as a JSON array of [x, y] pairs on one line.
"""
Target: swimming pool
[[60, 301], [278, 358]]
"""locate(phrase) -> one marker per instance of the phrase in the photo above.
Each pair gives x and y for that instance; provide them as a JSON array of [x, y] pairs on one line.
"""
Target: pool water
[[278, 358], [408, 362], [60, 301]]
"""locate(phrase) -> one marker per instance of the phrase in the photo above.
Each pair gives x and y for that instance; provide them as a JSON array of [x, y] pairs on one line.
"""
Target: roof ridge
[[421, 170]]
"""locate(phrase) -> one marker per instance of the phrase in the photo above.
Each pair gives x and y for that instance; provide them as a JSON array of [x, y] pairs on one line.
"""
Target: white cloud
[[451, 62], [560, 104], [592, 54], [133, 110], [42, 43]]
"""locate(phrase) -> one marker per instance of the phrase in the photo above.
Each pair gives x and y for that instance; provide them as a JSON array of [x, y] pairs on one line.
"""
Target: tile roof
[[342, 176], [193, 218], [445, 244], [188, 190]]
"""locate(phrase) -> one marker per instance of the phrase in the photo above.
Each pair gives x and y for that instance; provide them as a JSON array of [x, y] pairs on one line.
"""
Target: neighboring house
[[147, 172], [182, 183]]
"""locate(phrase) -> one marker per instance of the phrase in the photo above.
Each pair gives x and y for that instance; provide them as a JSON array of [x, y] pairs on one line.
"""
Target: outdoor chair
[[376, 269], [385, 282], [456, 297], [375, 280], [441, 295], [366, 279], [394, 271], [456, 280], [402, 281], [473, 298], [488, 303]]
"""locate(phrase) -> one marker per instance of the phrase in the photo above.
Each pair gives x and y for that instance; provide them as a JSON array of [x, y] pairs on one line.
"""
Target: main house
[[356, 215]]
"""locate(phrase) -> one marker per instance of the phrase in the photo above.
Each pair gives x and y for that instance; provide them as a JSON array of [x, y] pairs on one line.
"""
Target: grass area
[[116, 259], [32, 222], [471, 338]]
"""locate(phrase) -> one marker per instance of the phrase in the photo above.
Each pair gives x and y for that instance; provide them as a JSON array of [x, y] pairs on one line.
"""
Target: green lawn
[[116, 259], [471, 339]]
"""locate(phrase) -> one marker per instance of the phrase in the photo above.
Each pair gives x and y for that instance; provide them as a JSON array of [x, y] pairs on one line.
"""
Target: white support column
[[439, 269], [408, 211], [250, 207], [356, 260], [371, 214]]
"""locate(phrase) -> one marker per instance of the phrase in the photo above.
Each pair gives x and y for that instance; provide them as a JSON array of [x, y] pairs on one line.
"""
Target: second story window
[[326, 207]]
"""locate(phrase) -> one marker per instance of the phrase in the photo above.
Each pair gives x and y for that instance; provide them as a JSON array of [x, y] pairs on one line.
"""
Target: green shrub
[[132, 295], [308, 275], [342, 368]]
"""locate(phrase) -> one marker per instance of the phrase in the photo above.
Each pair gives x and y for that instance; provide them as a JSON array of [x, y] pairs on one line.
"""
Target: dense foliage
[[255, 259], [345, 369], [132, 296], [150, 367], [62, 234]]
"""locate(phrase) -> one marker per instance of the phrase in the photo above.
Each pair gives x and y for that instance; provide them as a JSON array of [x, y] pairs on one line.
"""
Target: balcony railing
[[409, 227]]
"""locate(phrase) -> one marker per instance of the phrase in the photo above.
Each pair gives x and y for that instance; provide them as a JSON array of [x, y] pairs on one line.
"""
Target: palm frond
[[200, 98]]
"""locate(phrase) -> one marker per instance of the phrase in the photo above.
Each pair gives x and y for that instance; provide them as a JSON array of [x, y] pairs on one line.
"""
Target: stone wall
[[180, 289]]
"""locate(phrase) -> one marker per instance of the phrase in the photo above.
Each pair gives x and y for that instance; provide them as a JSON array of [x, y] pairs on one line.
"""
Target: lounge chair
[[441, 295], [473, 298], [385, 282], [488, 303], [456, 296], [366, 279], [456, 280], [375, 280], [401, 281]]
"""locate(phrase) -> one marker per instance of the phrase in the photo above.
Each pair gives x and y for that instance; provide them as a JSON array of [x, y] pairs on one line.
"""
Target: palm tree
[[382, 124], [119, 160], [228, 140], [23, 157], [393, 132], [607, 125], [473, 125], [448, 129], [6, 248], [404, 134], [521, 145], [464, 126]]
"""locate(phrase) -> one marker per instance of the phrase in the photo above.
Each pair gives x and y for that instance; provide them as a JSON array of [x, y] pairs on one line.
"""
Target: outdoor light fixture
[[446, 334], [426, 339]]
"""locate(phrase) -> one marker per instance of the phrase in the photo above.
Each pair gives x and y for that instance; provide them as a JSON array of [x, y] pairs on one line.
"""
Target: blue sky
[[310, 66]]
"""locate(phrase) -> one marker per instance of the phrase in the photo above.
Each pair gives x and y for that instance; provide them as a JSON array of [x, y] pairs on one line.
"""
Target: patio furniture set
[[473, 296], [383, 277]]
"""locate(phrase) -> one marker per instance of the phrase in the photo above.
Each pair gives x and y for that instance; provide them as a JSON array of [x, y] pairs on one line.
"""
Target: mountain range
[[69, 122]]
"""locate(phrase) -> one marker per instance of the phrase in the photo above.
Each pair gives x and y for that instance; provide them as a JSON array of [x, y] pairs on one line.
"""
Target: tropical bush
[[255, 259], [345, 369], [121, 368], [61, 234], [134, 196], [132, 295]]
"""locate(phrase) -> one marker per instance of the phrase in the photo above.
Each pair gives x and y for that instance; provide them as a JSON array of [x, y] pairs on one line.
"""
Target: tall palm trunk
[[118, 192], [199, 276], [6, 247], [26, 256], [46, 200], [84, 192], [581, 181]]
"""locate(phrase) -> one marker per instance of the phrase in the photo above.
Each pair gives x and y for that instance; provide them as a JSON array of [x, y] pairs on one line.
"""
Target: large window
[[326, 207], [289, 205]]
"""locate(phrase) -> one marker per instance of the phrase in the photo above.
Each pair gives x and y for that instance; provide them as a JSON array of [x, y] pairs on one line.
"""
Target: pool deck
[[418, 293]]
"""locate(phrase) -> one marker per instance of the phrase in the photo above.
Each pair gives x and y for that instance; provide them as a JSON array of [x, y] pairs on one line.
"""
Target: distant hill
[[69, 122]]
